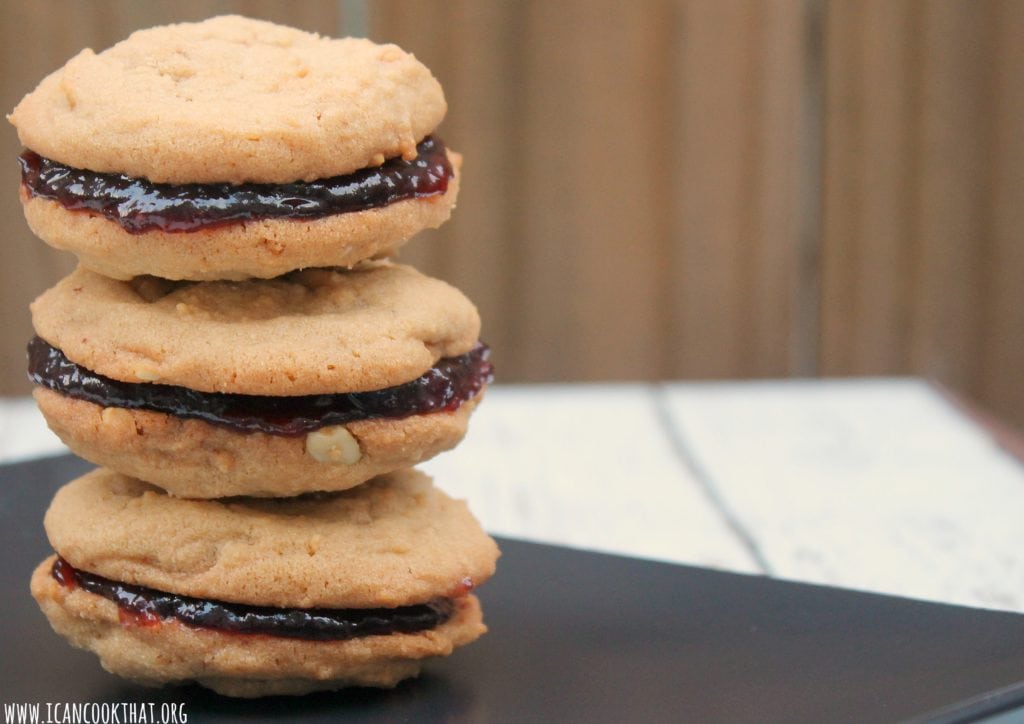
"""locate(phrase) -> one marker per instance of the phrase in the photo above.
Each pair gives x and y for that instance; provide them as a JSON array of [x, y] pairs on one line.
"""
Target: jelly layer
[[143, 606], [444, 387], [139, 205]]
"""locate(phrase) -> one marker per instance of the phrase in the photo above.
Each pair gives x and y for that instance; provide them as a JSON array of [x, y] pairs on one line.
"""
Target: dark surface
[[585, 637]]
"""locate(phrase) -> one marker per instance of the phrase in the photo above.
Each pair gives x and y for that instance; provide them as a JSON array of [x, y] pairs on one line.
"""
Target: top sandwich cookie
[[234, 148]]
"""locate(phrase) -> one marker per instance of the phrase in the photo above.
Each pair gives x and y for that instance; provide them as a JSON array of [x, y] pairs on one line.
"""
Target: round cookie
[[232, 99], [395, 541], [312, 332], [263, 249], [243, 666]]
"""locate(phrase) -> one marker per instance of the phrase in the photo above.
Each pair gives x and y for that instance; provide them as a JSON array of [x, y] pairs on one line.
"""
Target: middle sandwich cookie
[[315, 381]]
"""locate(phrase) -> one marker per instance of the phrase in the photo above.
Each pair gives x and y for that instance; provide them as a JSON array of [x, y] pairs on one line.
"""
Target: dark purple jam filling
[[139, 205], [443, 388], [148, 607]]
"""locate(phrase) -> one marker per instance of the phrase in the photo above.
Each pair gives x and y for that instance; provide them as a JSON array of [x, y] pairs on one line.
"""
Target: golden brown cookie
[[260, 248], [244, 666], [396, 540], [132, 563], [195, 459], [311, 332], [234, 148], [234, 100], [315, 381]]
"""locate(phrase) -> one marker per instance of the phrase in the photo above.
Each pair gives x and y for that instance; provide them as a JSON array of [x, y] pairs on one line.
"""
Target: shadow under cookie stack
[[255, 377]]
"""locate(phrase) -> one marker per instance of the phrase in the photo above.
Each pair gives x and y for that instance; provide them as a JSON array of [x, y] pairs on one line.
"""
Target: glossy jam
[[140, 606], [445, 387], [139, 205]]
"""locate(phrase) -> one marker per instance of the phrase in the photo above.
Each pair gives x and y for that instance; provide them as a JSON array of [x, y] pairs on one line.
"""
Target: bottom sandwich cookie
[[254, 597]]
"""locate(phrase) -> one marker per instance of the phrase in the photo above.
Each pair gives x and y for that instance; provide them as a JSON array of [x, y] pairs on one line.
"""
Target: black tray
[[580, 636]]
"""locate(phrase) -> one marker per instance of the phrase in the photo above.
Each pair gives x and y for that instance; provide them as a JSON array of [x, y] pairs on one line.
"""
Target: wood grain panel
[[923, 268], [778, 280], [1002, 357], [736, 108], [593, 179], [870, 186], [952, 238]]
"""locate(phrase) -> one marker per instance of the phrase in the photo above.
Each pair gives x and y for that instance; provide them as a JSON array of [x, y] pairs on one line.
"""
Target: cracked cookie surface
[[393, 541], [311, 332], [232, 99]]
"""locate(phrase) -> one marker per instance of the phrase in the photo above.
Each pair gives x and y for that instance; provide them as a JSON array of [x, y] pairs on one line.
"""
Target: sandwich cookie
[[234, 148], [315, 381], [253, 597]]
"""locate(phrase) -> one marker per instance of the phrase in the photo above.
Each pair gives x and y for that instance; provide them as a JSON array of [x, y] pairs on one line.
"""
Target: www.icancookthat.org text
[[95, 713]]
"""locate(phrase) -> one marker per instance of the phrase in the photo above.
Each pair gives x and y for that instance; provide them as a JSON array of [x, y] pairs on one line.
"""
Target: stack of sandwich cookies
[[235, 338]]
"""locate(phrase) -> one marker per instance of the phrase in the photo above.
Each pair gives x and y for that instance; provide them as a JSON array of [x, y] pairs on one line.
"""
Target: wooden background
[[679, 190]]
